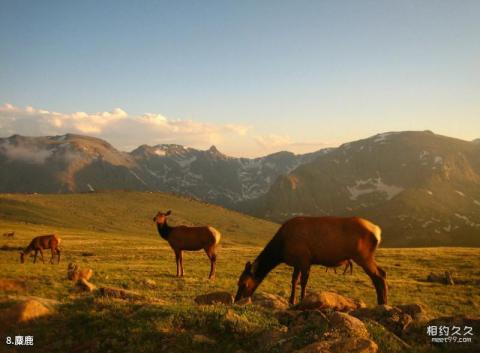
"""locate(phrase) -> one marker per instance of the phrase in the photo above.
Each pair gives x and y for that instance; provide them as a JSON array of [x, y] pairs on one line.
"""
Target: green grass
[[118, 232]]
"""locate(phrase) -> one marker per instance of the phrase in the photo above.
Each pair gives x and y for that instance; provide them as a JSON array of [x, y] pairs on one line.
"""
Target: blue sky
[[252, 77]]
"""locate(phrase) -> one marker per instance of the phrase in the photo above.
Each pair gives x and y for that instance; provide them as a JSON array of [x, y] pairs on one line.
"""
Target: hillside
[[422, 188], [74, 163], [128, 213]]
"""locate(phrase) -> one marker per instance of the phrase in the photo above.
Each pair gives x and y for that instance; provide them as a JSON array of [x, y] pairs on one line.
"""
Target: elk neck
[[268, 259], [164, 230]]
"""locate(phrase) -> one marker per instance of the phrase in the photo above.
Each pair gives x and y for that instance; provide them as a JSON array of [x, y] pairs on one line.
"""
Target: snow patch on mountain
[[362, 187]]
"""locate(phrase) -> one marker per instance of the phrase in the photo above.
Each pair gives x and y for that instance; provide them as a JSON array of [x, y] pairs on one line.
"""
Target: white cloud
[[127, 132], [116, 126]]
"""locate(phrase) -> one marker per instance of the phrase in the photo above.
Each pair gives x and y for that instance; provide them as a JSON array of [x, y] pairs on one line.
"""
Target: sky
[[251, 77]]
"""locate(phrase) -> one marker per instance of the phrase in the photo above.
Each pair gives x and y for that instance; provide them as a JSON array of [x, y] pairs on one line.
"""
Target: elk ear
[[169, 212], [248, 266]]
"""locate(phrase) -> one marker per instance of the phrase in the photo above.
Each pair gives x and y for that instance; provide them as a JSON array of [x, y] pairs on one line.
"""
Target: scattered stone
[[12, 285], [203, 339], [300, 321], [391, 317], [270, 301], [445, 278], [214, 298], [86, 286], [74, 273], [150, 283], [329, 300]]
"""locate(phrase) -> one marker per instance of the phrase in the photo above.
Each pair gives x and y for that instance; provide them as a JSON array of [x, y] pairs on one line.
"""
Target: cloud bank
[[127, 132]]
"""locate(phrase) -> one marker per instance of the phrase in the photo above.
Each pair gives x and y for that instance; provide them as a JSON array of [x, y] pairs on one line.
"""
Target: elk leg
[[377, 275], [213, 260], [335, 270], [35, 257], [58, 253], [295, 277], [303, 281], [53, 254], [177, 259], [181, 263], [41, 254]]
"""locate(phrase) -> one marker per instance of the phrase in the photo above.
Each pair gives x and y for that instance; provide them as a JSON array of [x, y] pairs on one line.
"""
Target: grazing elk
[[190, 239], [348, 265], [329, 241], [40, 243], [9, 235]]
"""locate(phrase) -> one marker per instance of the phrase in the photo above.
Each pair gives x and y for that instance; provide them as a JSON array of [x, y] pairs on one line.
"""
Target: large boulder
[[392, 318], [270, 301], [24, 311], [344, 325], [214, 298], [329, 300]]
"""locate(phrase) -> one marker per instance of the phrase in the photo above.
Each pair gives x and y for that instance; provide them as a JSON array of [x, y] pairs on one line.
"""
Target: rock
[[270, 301], [312, 320], [418, 312], [392, 318], [214, 298], [341, 345], [244, 301], [445, 278], [346, 325], [271, 338], [25, 311], [150, 283], [74, 273], [12, 285], [86, 286], [203, 339], [329, 300]]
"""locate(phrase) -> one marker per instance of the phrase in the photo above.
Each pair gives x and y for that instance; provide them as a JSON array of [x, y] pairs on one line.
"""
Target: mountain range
[[74, 163], [422, 188]]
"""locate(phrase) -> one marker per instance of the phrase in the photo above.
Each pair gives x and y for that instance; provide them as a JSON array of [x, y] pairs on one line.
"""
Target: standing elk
[[9, 235], [348, 265], [40, 243], [329, 241], [190, 239]]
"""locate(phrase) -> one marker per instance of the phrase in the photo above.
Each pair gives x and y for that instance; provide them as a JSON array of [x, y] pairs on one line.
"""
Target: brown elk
[[190, 239], [9, 235], [348, 266], [329, 241], [40, 243]]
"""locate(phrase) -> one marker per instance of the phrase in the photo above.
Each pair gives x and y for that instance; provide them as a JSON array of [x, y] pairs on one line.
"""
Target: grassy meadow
[[113, 234]]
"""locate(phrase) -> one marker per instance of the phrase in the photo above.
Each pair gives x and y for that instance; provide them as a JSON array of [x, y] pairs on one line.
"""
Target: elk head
[[161, 217], [247, 283]]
